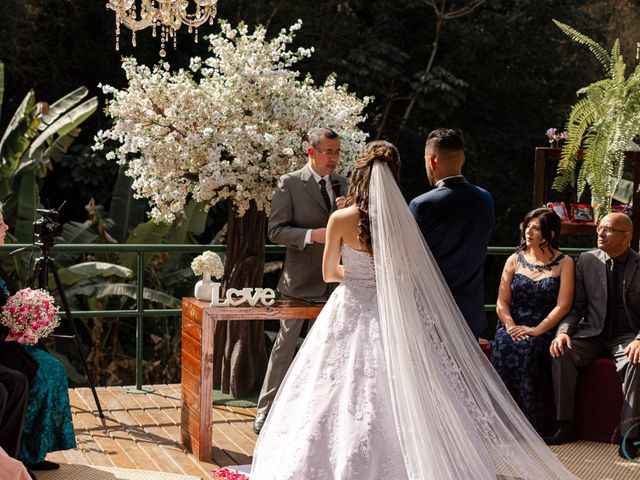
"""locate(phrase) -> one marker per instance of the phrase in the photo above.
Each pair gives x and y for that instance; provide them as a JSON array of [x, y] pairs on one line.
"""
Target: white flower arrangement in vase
[[208, 265]]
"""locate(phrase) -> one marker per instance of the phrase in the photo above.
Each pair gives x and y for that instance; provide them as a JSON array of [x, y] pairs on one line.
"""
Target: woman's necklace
[[536, 267]]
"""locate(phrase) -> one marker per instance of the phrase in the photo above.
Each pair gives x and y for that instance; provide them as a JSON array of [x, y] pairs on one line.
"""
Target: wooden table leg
[[197, 381]]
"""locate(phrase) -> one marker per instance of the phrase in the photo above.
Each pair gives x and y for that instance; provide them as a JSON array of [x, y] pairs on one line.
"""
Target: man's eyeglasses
[[331, 153], [608, 230]]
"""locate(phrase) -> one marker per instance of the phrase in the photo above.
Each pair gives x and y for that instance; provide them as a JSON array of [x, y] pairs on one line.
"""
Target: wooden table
[[198, 322]]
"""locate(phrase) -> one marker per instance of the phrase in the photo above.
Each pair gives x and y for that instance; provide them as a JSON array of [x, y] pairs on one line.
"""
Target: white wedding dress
[[333, 417], [390, 383]]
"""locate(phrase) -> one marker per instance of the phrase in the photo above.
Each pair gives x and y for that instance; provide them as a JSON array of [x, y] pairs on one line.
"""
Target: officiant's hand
[[319, 235]]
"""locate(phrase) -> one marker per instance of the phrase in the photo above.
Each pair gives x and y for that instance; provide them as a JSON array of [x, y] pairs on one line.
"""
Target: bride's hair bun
[[381, 151], [358, 195]]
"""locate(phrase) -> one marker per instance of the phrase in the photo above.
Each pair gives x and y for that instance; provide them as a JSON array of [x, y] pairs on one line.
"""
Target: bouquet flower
[[30, 315], [208, 262]]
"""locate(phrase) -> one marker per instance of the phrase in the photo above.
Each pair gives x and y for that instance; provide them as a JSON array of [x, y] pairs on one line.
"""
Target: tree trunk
[[240, 356]]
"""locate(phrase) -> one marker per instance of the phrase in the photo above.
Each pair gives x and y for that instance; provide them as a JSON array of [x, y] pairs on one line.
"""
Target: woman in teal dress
[[47, 426]]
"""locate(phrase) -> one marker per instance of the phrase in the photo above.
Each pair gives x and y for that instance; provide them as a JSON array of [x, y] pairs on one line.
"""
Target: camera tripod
[[39, 278]]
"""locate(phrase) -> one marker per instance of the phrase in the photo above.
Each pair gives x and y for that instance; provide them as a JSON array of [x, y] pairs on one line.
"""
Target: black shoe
[[31, 474], [630, 450], [259, 422], [43, 465], [564, 434]]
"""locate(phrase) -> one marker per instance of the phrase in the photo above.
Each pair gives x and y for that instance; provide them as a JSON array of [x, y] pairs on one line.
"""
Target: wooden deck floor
[[142, 431]]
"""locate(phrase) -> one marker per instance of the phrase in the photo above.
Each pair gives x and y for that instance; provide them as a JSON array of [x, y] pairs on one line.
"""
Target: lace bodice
[[358, 265]]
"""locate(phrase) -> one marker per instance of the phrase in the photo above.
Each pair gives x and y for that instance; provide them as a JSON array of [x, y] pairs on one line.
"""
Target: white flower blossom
[[229, 127], [209, 261]]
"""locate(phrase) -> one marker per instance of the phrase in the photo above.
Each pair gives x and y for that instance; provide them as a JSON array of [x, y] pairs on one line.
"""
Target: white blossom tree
[[226, 131]]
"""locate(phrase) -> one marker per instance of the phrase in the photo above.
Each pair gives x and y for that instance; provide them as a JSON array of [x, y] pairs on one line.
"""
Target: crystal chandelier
[[166, 15]]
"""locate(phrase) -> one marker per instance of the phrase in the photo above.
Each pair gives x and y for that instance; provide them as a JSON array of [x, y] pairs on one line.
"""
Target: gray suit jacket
[[587, 316], [297, 206]]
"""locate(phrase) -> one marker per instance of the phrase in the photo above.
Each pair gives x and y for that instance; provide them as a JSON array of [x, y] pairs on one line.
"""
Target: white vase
[[202, 290]]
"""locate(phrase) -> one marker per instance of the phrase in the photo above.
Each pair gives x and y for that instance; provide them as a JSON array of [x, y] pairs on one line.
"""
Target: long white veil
[[455, 418]]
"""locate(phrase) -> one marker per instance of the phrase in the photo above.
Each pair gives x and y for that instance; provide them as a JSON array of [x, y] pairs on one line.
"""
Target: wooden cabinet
[[545, 167]]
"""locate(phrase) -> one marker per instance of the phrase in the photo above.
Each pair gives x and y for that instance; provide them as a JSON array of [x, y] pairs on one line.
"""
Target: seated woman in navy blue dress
[[536, 291]]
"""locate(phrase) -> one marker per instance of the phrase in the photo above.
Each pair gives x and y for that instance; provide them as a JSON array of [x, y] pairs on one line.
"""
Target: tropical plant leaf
[[65, 124], [1, 85], [85, 270], [126, 211], [61, 145], [191, 222], [27, 205], [63, 104], [147, 233], [75, 232], [17, 137], [127, 290]]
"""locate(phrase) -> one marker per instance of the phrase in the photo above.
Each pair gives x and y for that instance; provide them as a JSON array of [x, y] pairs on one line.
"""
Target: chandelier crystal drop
[[167, 16]]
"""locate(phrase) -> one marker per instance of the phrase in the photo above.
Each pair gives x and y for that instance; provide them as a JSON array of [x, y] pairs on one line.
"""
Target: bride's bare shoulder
[[347, 214]]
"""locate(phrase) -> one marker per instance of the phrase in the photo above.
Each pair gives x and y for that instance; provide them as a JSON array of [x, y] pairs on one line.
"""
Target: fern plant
[[602, 123]]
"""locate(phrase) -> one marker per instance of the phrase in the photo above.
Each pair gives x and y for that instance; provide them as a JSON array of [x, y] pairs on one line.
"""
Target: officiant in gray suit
[[300, 210], [604, 322]]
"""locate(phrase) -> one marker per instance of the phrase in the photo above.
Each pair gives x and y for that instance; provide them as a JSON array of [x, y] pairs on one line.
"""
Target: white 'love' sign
[[236, 297]]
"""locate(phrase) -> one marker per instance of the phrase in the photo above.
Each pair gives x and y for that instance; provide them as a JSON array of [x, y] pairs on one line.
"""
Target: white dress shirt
[[332, 197]]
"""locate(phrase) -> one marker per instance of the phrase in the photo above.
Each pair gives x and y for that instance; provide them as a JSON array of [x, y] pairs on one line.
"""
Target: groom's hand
[[633, 352], [340, 201], [558, 344]]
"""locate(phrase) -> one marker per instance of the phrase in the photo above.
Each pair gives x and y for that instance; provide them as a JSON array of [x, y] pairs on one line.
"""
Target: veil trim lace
[[455, 418]]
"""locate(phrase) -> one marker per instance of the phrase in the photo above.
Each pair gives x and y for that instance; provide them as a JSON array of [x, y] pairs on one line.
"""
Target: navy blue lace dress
[[524, 365]]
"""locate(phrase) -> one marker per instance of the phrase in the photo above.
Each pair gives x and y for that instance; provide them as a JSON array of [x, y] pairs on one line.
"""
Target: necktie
[[611, 296], [325, 195]]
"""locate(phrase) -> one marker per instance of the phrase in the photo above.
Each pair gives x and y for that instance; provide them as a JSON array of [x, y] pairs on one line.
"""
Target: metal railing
[[141, 312]]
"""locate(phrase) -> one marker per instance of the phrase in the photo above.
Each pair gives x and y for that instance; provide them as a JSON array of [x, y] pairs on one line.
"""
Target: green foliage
[[601, 125], [36, 134], [126, 211]]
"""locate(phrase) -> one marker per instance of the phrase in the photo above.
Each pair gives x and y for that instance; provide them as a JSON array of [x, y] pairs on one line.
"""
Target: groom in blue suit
[[456, 219]]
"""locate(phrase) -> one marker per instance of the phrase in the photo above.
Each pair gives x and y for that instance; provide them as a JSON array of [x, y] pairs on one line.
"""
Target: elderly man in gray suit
[[604, 321], [300, 210]]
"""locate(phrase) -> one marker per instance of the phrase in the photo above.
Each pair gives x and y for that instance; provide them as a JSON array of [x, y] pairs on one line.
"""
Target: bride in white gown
[[390, 383]]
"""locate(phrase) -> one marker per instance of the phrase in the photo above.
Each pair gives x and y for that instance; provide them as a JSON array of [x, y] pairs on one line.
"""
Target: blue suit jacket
[[456, 220]]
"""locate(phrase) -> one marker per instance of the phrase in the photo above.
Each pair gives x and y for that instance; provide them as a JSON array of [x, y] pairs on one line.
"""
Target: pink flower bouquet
[[30, 315]]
